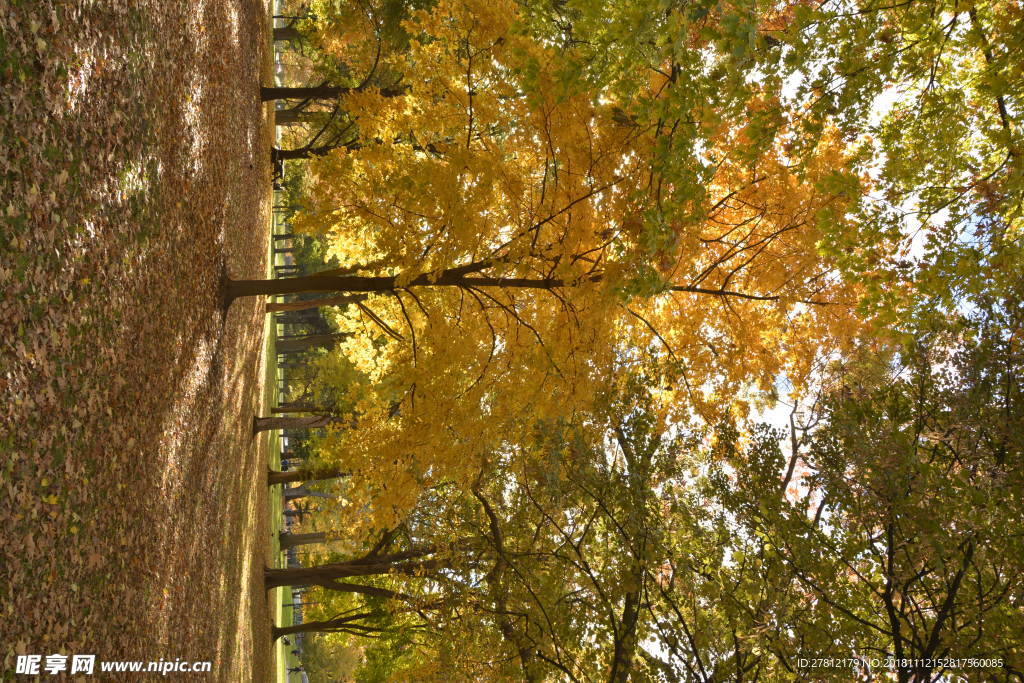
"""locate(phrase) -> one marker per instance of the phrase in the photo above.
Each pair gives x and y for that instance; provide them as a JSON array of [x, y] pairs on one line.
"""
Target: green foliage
[[649, 530]]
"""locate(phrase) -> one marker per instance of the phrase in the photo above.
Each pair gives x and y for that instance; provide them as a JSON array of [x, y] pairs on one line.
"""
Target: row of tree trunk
[[303, 312]]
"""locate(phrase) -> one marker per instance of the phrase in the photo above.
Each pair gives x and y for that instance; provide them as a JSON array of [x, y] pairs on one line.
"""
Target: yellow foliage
[[489, 160]]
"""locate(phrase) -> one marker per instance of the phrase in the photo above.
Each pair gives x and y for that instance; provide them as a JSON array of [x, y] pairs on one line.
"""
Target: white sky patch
[[790, 86], [882, 105]]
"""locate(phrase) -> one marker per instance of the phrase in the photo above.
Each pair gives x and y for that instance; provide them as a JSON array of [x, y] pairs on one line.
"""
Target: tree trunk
[[285, 236], [289, 117], [297, 492], [302, 408], [277, 154], [463, 276], [348, 624], [327, 575], [286, 33], [313, 303], [293, 540], [312, 474], [320, 92], [263, 424], [320, 282], [625, 639], [309, 341], [302, 317]]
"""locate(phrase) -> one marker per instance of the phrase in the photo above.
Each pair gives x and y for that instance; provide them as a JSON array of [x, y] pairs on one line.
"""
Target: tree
[[573, 550], [349, 41], [294, 116], [289, 33], [263, 424], [309, 342], [296, 492], [910, 480], [543, 225], [587, 215], [884, 531], [289, 540], [307, 303], [406, 562], [304, 474], [929, 94]]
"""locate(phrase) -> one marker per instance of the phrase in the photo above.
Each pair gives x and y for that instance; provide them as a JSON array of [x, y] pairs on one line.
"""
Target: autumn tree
[[545, 223], [889, 539], [537, 217], [573, 548], [905, 537], [929, 95], [350, 43]]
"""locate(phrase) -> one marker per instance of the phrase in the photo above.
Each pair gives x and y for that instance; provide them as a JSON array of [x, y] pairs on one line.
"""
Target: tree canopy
[[585, 246]]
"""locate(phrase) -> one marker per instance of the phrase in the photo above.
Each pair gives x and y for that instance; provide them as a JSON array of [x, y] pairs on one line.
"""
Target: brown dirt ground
[[133, 171]]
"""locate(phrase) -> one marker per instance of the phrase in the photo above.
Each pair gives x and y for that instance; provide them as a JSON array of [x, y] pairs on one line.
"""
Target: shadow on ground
[[133, 171]]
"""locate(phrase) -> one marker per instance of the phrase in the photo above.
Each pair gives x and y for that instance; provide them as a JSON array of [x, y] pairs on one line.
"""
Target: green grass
[[283, 658], [282, 615]]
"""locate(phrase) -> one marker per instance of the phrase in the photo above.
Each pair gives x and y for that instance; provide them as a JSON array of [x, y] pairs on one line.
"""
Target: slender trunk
[[313, 303], [309, 342], [285, 236], [293, 540], [463, 277], [280, 410], [498, 590], [350, 623], [347, 624], [299, 513], [277, 154], [319, 282], [320, 92], [286, 33], [625, 639], [298, 317], [263, 424], [288, 117], [309, 151], [327, 575], [297, 492], [311, 474], [300, 403], [297, 335]]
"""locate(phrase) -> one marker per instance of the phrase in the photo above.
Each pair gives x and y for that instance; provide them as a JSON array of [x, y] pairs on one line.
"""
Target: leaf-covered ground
[[133, 170]]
